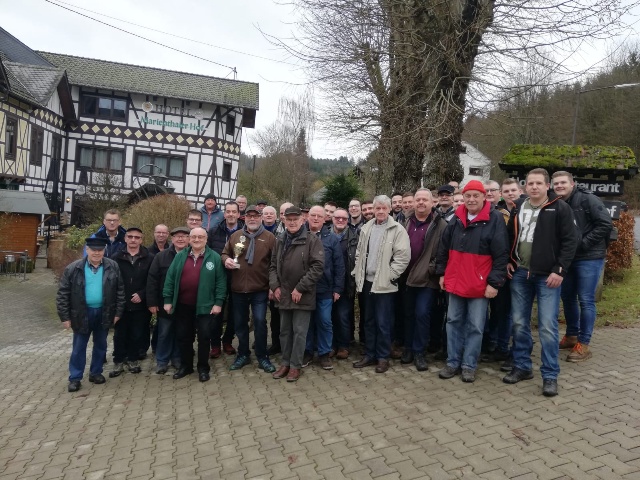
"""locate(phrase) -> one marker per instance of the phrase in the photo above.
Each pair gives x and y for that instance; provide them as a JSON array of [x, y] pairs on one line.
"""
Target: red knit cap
[[474, 185]]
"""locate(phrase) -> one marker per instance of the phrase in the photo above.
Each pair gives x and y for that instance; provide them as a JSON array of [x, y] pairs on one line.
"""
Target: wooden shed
[[20, 215]]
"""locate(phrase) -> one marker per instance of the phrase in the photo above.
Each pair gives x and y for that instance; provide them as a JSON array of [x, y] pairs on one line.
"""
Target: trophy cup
[[238, 248]]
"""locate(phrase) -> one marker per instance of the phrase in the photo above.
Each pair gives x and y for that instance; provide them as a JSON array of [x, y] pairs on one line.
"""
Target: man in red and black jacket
[[544, 238], [472, 265]]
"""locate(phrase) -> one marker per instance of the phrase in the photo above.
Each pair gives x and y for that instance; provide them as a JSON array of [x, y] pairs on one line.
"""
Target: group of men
[[454, 271]]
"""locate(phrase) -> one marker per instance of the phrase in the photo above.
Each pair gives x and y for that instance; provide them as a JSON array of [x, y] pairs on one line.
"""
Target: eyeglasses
[[341, 219], [252, 217], [491, 190], [194, 219], [136, 237], [180, 237]]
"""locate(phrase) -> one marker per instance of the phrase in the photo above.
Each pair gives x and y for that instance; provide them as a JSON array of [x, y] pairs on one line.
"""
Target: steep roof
[[13, 50], [33, 83], [89, 72]]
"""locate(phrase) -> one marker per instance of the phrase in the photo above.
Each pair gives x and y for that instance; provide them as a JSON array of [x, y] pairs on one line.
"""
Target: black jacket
[[157, 274], [71, 301], [218, 237], [134, 276], [154, 250], [555, 238], [594, 224], [349, 244]]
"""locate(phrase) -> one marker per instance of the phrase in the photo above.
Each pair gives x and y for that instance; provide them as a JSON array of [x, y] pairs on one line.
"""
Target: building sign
[[148, 122], [198, 114], [615, 208], [602, 188]]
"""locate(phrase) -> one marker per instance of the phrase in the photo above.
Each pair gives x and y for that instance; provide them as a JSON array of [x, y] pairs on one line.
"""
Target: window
[[477, 171], [226, 172], [37, 142], [231, 125], [101, 159], [105, 107], [10, 138], [171, 166]]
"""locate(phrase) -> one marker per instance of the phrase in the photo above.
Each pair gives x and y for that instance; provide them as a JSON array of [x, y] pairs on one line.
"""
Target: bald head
[[283, 207]]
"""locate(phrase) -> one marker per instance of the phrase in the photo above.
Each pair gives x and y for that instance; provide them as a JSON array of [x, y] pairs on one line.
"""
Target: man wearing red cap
[[472, 265]]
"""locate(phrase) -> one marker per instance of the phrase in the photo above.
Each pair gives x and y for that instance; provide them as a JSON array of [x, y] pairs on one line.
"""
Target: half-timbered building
[[68, 123]]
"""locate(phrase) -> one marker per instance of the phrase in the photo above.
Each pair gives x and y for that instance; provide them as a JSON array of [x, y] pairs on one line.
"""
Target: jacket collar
[[483, 215]]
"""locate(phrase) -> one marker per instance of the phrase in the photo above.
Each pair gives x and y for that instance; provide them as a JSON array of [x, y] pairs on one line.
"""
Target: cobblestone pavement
[[344, 423]]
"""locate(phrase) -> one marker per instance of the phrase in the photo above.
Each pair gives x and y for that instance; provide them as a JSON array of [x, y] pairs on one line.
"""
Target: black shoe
[[203, 376], [507, 366], [500, 356], [364, 362], [134, 367], [307, 359], [549, 387], [74, 386], [441, 355], [274, 349], [142, 355], [433, 348], [183, 372], [162, 370], [97, 379], [421, 363], [448, 372], [468, 375], [518, 375], [407, 357]]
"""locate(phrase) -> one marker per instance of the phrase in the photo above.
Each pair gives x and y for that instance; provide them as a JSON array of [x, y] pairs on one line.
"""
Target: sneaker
[[579, 353], [325, 362], [228, 349], [215, 352], [118, 369], [74, 386], [266, 365], [516, 375], [134, 367], [240, 362], [507, 365], [420, 362], [98, 379], [568, 342], [342, 354], [448, 372], [468, 375], [549, 387], [307, 359]]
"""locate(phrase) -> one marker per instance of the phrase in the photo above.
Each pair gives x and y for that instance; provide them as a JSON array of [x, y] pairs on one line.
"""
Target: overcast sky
[[232, 24]]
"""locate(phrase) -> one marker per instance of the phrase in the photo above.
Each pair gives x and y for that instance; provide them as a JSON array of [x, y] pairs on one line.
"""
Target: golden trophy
[[238, 248]]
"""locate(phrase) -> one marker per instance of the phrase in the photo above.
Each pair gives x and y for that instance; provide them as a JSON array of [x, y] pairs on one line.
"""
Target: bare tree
[[396, 73]]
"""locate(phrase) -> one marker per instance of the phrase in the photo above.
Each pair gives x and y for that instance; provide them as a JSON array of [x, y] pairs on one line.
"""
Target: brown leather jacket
[[300, 267], [255, 277]]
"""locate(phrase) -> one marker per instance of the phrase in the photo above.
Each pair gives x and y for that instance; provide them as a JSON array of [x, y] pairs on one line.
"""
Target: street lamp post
[[579, 92]]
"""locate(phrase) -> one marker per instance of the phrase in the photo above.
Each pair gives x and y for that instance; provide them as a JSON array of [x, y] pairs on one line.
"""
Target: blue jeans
[[378, 322], [320, 333], [417, 310], [579, 297], [167, 347], [78, 359], [524, 288], [258, 302], [465, 324], [342, 315]]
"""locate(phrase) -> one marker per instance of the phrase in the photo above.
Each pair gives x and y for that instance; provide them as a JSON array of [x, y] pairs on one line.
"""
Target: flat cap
[[252, 208], [181, 230], [293, 211], [447, 189], [95, 243]]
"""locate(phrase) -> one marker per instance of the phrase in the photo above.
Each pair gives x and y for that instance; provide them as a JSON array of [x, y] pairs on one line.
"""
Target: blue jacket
[[112, 247], [332, 280], [210, 221]]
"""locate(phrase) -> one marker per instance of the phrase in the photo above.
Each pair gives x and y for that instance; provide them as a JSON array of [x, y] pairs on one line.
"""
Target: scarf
[[252, 244]]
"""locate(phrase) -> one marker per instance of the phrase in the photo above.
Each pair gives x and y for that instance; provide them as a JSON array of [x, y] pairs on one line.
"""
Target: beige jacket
[[393, 257]]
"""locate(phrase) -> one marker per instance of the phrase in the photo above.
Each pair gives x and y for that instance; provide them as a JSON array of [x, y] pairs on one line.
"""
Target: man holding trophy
[[247, 256]]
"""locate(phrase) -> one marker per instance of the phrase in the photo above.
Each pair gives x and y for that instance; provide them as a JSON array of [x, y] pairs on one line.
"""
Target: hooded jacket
[[555, 238], [211, 220], [594, 223], [473, 254], [392, 260]]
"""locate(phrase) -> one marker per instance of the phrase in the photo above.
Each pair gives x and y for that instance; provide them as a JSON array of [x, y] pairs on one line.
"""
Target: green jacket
[[212, 287]]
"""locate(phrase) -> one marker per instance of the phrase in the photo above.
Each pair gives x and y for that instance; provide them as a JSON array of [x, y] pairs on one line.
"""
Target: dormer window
[[104, 107]]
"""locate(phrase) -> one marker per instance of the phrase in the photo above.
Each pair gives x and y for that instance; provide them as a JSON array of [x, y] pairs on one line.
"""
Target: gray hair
[[382, 199], [422, 189]]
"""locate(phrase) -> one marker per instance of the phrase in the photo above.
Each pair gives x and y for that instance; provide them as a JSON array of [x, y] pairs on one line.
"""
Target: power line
[[178, 36], [233, 69]]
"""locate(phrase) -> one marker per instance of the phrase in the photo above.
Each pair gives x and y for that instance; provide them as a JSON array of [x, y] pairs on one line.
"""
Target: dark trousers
[[500, 317], [362, 305], [378, 322], [187, 323], [437, 328], [274, 323], [341, 316], [417, 317], [129, 341], [397, 333], [226, 318]]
